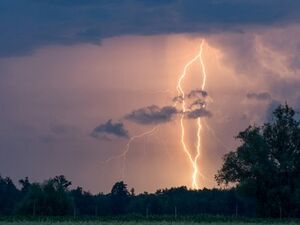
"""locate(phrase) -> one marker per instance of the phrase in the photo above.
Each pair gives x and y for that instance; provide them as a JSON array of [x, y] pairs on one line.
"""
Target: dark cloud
[[26, 25], [110, 128], [260, 96], [197, 93], [152, 115], [197, 113]]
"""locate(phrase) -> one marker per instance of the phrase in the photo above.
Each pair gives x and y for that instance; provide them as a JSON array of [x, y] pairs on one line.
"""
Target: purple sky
[[59, 85]]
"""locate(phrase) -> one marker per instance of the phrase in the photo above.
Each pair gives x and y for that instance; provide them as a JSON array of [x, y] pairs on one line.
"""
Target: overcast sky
[[79, 78]]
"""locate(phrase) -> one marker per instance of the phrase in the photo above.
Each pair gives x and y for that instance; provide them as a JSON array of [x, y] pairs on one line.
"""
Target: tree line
[[54, 197], [263, 173]]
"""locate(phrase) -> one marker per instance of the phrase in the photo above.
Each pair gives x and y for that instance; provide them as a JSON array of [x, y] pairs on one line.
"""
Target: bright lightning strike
[[193, 160]]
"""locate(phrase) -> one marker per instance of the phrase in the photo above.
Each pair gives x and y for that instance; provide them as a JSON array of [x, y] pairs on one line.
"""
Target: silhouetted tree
[[50, 198], [119, 197], [267, 164], [25, 184], [54, 198], [83, 202], [33, 201], [9, 195]]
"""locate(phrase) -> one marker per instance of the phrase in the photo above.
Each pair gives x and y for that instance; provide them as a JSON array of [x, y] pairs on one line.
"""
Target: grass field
[[142, 223], [142, 220], [153, 221]]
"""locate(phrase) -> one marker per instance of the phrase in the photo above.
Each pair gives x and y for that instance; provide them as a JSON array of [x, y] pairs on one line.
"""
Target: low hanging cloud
[[152, 115], [197, 93], [197, 113], [104, 131], [260, 96]]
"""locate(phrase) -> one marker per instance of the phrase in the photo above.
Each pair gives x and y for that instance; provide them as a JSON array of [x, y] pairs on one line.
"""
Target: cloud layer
[[197, 113], [152, 115], [27, 25], [109, 128]]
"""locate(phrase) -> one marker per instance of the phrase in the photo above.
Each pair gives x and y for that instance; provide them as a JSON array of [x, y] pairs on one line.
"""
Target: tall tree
[[267, 164], [50, 198], [9, 195], [119, 197]]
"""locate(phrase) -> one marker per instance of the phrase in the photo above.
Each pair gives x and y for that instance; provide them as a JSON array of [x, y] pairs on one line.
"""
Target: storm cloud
[[197, 113], [152, 115], [27, 25], [109, 128]]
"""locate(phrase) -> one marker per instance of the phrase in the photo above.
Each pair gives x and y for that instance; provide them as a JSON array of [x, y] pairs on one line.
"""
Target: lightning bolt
[[124, 154], [193, 161]]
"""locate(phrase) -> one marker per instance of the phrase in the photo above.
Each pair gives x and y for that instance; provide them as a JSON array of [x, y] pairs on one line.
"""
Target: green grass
[[141, 220], [139, 223]]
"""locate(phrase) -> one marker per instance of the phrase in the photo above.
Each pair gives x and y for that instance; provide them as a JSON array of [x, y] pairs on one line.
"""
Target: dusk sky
[[80, 78]]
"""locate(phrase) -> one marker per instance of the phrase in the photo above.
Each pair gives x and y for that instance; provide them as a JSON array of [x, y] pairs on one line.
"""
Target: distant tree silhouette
[[84, 202], [25, 184], [267, 164], [119, 197], [54, 197], [50, 198], [9, 195], [33, 201]]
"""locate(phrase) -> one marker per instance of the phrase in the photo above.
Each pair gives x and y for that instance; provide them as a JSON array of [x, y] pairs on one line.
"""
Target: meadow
[[144, 223], [151, 220]]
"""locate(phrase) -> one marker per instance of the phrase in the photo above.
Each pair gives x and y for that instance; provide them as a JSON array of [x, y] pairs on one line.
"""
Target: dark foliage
[[9, 196], [50, 198], [54, 198], [266, 165]]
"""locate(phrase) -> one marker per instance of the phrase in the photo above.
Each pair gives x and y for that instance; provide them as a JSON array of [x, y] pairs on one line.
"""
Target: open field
[[145, 223], [203, 220]]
